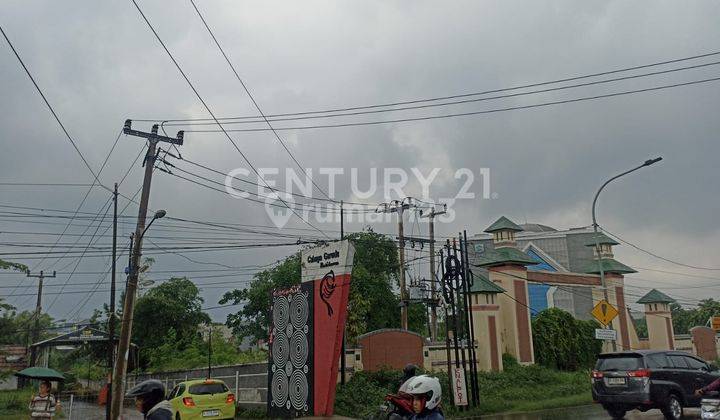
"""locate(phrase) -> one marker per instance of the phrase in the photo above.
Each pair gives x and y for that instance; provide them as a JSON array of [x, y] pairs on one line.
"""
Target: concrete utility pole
[[433, 280], [38, 308], [111, 316], [397, 206], [597, 237], [132, 283], [343, 363]]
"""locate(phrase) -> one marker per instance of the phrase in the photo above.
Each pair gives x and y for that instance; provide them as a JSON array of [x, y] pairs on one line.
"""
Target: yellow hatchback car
[[202, 399]]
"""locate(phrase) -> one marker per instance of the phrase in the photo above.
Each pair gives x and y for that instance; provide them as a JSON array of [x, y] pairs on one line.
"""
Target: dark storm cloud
[[99, 65]]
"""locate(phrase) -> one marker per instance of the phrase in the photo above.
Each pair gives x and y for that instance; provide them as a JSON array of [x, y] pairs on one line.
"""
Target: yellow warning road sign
[[604, 312]]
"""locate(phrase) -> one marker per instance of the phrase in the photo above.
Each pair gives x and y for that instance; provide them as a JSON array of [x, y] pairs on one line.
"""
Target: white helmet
[[426, 385]]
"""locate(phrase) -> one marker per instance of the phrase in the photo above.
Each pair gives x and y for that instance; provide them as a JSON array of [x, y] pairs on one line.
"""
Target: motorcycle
[[396, 407], [710, 406]]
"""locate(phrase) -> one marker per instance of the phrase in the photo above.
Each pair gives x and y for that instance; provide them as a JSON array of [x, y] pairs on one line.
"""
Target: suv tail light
[[188, 402], [230, 399], [641, 373], [596, 374]]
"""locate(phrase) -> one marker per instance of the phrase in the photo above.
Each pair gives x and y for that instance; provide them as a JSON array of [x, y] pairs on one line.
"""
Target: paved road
[[590, 412], [82, 410]]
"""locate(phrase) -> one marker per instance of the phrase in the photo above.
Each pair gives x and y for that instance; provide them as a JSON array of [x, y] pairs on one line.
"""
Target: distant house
[[12, 359]]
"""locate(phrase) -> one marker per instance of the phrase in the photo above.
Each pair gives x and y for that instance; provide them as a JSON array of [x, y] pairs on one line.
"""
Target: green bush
[[563, 342], [365, 392], [517, 388], [14, 401]]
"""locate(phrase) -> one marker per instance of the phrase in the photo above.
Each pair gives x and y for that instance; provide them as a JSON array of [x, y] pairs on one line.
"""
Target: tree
[[9, 265], [373, 302], [685, 319], [175, 354], [17, 328], [563, 342], [173, 305]]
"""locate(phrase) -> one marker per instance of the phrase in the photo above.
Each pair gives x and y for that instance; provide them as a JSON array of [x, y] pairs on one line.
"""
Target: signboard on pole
[[604, 312], [459, 386], [307, 326], [604, 334], [328, 267]]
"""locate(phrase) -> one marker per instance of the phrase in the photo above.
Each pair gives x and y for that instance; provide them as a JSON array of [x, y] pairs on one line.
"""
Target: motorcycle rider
[[150, 400], [427, 395], [714, 386]]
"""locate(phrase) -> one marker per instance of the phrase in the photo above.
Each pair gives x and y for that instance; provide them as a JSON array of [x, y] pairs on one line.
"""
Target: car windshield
[[209, 388], [619, 363]]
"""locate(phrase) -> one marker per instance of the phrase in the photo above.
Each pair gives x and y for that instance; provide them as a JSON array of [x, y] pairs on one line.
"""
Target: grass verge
[[518, 388]]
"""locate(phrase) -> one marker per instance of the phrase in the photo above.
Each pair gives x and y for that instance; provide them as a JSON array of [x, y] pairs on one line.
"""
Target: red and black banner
[[325, 288]]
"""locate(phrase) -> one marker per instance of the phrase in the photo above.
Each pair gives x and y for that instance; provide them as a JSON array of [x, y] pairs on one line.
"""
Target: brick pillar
[[515, 327], [486, 319]]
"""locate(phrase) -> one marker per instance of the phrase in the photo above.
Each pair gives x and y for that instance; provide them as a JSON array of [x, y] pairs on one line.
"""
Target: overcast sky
[[99, 64]]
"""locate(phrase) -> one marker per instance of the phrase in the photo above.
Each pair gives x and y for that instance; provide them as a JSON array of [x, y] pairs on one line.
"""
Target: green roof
[[656, 296], [504, 255], [609, 265], [482, 284], [503, 223], [602, 239]]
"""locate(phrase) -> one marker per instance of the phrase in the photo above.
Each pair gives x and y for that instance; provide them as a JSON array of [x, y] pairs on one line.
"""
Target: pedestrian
[[150, 400], [42, 406]]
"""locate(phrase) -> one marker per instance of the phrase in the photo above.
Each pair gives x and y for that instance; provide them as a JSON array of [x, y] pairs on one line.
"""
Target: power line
[[237, 76], [207, 108], [658, 256], [44, 184], [466, 101], [52, 111], [463, 95], [464, 114]]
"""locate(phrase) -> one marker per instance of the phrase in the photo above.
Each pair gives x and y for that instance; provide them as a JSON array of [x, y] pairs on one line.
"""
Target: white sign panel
[[459, 387], [603, 334], [336, 256]]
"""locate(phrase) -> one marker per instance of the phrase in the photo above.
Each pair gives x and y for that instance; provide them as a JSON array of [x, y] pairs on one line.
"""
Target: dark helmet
[[151, 391]]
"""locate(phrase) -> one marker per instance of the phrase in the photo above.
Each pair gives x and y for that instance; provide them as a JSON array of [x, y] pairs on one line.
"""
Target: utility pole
[[343, 363], [397, 206], [433, 278], [209, 350], [130, 292], [38, 308], [111, 316]]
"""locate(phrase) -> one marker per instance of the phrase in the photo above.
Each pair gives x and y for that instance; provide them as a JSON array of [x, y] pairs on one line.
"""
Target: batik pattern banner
[[290, 379]]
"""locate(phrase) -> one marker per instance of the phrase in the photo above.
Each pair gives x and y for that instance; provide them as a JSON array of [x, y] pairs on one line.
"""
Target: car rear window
[[207, 389], [619, 363]]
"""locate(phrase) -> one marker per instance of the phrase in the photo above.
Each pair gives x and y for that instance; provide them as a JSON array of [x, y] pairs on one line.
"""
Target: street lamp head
[[651, 161], [160, 214]]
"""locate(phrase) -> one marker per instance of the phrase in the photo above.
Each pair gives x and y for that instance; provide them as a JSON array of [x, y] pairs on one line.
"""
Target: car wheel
[[673, 409], [616, 413]]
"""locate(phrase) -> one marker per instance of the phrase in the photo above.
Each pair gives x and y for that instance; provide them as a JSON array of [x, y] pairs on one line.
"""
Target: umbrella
[[40, 373]]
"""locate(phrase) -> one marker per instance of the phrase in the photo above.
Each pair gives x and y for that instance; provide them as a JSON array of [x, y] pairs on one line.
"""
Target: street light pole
[[597, 238]]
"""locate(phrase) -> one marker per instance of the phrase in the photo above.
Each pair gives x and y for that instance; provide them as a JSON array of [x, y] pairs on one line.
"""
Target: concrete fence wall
[[247, 381]]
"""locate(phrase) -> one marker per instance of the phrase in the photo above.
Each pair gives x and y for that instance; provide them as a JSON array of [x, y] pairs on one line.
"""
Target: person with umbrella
[[43, 405]]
